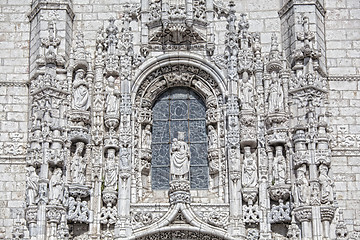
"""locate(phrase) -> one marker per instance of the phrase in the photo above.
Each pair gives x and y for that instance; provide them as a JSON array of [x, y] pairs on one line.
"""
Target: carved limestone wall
[[80, 79]]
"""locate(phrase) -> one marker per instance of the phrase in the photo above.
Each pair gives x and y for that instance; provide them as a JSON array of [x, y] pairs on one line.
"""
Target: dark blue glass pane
[[179, 126], [161, 110], [197, 131], [160, 177], [178, 109], [199, 177], [160, 155], [197, 109], [160, 132], [179, 93], [198, 153]]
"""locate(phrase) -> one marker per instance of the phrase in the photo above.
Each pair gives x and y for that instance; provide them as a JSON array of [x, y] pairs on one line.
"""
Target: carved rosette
[[179, 192]]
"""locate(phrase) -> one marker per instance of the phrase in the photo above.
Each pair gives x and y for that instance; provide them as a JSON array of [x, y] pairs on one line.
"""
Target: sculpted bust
[[180, 158]]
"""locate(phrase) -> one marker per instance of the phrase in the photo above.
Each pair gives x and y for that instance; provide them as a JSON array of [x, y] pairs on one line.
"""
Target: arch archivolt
[[179, 75], [205, 81]]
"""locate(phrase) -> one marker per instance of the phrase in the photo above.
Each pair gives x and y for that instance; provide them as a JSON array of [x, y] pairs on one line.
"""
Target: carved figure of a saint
[[326, 185], [78, 164], [279, 166], [249, 170], [32, 186], [180, 158], [124, 159], [146, 137], [112, 98], [56, 187], [302, 190], [276, 94], [247, 92], [111, 171], [81, 99], [213, 137]]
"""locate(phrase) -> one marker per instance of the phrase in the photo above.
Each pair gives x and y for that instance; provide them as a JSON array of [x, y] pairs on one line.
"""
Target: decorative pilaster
[[49, 99], [233, 127], [311, 161], [126, 57]]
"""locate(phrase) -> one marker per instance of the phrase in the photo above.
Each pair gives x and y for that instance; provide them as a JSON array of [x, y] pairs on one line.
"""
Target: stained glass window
[[179, 110]]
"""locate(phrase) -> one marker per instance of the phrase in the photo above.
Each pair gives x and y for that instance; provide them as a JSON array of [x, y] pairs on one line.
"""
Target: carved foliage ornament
[[175, 75]]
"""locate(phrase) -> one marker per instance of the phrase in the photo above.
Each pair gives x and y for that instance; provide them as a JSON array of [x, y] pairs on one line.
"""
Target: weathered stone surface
[[280, 86]]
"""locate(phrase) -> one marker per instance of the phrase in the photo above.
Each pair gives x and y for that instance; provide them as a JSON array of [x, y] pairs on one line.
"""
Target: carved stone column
[[311, 160], [126, 55], [49, 93]]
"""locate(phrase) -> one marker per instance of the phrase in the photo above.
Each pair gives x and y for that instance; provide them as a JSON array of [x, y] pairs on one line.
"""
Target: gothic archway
[[148, 88]]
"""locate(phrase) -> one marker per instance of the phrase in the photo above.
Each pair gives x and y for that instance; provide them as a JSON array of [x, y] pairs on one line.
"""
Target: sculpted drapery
[[81, 98], [180, 158]]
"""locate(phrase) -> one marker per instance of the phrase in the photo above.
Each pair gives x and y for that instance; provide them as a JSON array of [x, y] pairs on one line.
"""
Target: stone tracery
[[99, 166]]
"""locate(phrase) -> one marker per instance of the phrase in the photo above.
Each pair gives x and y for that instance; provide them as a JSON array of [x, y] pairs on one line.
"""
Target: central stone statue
[[180, 158]]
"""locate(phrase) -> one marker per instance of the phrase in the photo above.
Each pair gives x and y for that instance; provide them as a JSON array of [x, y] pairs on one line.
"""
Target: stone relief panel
[[255, 156]]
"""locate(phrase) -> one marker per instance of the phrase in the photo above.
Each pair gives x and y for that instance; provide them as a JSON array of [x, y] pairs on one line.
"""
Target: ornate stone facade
[[183, 119]]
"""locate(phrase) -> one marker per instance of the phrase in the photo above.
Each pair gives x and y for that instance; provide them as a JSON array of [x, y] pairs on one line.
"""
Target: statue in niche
[[124, 159], [56, 186], [302, 189], [326, 185], [276, 94], [213, 137], [180, 158], [279, 166], [78, 164], [81, 98], [249, 170], [247, 92], [146, 138], [111, 171], [32, 186], [112, 98]]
